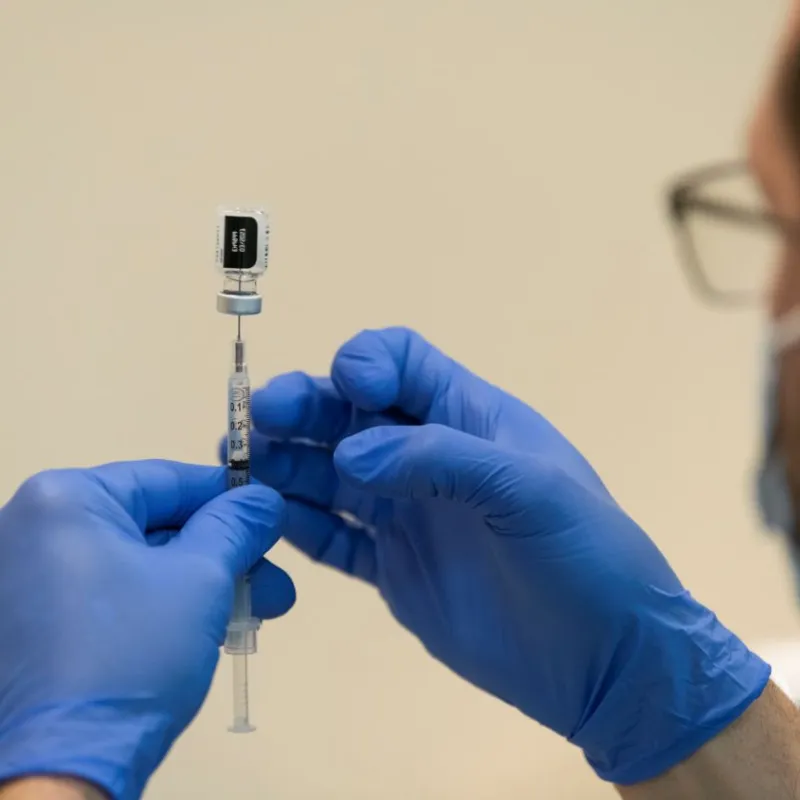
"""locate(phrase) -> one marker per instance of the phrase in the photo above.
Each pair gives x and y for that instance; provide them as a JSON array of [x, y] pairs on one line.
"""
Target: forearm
[[50, 789], [756, 758]]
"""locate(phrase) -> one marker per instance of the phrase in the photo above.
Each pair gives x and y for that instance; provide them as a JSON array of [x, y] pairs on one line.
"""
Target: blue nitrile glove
[[116, 585], [493, 540]]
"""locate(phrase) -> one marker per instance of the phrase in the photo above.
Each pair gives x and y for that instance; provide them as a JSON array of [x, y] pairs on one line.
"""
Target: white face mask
[[774, 497]]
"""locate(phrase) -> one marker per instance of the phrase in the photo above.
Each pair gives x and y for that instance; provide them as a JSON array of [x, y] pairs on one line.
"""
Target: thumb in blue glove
[[116, 585], [494, 541]]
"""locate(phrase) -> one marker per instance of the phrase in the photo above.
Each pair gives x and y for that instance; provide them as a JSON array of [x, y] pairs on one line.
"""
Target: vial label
[[240, 244]]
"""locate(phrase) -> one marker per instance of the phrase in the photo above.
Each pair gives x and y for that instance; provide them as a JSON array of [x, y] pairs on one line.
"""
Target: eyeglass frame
[[684, 198]]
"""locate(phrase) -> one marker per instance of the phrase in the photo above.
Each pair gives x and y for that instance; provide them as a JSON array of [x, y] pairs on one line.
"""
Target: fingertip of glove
[[274, 592], [349, 450], [361, 457], [365, 372], [280, 405], [260, 499]]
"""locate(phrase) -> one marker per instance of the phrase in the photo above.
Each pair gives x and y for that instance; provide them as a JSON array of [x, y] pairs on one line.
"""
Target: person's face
[[775, 160]]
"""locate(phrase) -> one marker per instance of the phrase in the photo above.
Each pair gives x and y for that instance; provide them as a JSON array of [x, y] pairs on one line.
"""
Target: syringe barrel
[[242, 600], [238, 421], [241, 634]]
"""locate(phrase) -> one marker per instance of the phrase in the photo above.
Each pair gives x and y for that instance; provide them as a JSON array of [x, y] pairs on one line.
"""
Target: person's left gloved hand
[[116, 585], [494, 541]]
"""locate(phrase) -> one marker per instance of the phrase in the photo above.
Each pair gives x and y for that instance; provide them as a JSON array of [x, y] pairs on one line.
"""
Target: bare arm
[[756, 758], [50, 789]]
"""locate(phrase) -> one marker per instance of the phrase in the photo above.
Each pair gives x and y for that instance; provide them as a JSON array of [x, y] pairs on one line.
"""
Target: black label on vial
[[240, 245]]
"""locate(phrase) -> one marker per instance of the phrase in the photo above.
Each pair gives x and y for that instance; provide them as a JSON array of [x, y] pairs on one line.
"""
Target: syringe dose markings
[[239, 436]]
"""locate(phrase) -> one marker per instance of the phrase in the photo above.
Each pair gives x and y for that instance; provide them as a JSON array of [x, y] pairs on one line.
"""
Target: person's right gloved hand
[[116, 587], [493, 540]]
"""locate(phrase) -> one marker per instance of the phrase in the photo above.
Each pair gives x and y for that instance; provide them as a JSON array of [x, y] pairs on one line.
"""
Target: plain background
[[488, 172]]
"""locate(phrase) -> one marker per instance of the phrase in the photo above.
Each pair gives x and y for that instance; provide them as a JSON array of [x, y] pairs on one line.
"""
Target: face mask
[[774, 498]]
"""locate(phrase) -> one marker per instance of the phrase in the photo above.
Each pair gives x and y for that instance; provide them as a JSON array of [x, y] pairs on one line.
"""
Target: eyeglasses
[[727, 236]]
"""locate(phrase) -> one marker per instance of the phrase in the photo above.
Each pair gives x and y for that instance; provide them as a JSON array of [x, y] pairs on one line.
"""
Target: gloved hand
[[493, 540], [116, 586]]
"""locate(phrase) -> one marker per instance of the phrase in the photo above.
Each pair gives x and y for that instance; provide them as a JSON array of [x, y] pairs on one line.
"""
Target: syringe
[[242, 254], [240, 641]]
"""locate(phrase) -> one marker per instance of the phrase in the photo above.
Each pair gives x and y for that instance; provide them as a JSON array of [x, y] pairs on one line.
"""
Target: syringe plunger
[[241, 701]]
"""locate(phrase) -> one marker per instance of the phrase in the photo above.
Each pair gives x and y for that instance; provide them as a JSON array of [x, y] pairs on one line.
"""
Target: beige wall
[[488, 172]]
